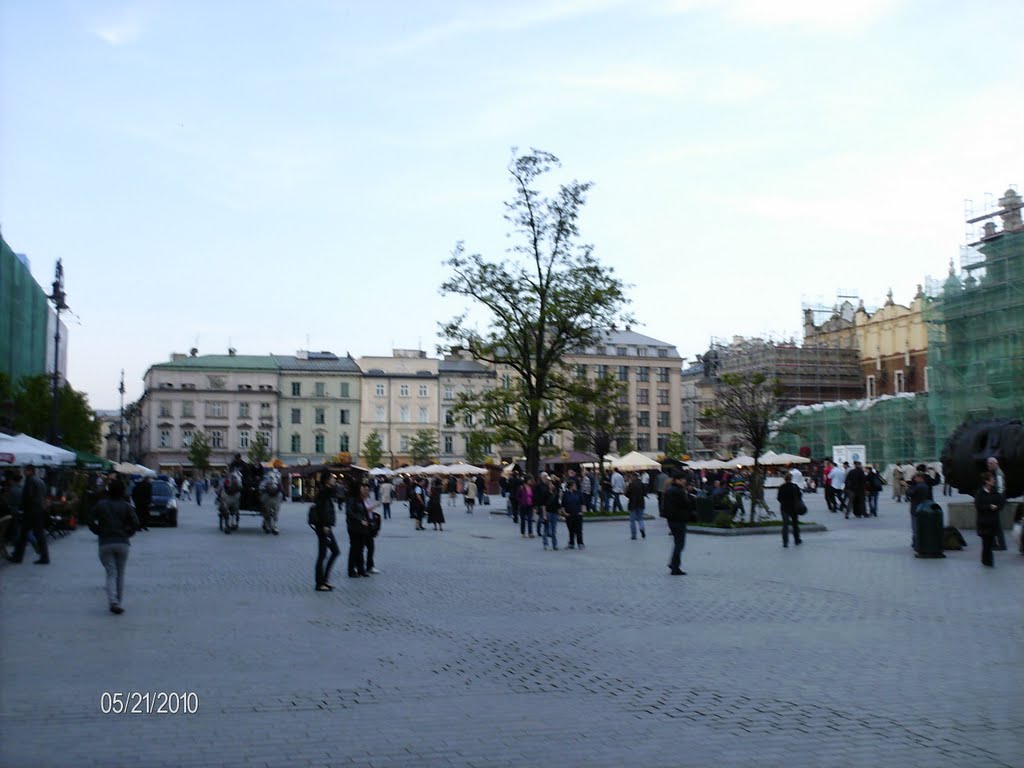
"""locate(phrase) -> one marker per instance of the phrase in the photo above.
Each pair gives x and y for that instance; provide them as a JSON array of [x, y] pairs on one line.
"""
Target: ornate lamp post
[[120, 424], [59, 305]]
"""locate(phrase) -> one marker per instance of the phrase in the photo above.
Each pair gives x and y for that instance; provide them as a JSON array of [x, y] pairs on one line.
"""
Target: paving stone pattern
[[475, 647]]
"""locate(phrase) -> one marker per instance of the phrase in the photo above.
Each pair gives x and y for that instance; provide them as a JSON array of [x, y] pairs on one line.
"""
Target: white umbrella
[[433, 469], [465, 469], [380, 471], [17, 450], [790, 458], [740, 461], [635, 461]]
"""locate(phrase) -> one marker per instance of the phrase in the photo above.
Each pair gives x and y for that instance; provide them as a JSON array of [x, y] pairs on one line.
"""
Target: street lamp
[[120, 425], [59, 305]]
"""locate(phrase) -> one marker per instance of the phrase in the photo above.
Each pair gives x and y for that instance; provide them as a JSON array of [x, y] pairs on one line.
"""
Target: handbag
[[801, 508]]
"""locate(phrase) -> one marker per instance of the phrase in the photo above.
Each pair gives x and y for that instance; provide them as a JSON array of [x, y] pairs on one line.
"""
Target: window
[[664, 419], [449, 419], [403, 443], [344, 418], [663, 375], [506, 381], [643, 373], [165, 409], [243, 438], [188, 409], [320, 389], [643, 418], [621, 351], [296, 443], [448, 444], [641, 351], [581, 371], [662, 397], [449, 393], [344, 389], [216, 438], [243, 410], [662, 352], [422, 415], [380, 390], [643, 443], [379, 413], [296, 389], [643, 396], [898, 382], [403, 390], [623, 373], [623, 398], [423, 390], [318, 444], [601, 371], [264, 410], [186, 438], [265, 434], [469, 419], [165, 438], [870, 387], [343, 443], [548, 439], [296, 415], [215, 410], [662, 442], [319, 416], [403, 414], [188, 386]]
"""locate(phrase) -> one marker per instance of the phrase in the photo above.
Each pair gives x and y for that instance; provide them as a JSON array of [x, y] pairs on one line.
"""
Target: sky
[[275, 176]]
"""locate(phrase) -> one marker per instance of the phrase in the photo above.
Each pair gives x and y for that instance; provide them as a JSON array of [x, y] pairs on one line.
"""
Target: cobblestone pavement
[[475, 647]]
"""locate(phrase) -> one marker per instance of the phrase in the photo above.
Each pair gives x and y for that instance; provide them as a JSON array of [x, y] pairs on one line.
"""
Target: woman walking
[[435, 512], [323, 520], [417, 504], [526, 506], [550, 512], [114, 522]]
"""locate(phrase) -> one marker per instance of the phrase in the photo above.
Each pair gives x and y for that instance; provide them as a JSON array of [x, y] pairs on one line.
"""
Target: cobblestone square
[[475, 647]]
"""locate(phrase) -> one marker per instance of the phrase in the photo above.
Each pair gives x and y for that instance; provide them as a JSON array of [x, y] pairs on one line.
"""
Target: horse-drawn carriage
[[249, 489]]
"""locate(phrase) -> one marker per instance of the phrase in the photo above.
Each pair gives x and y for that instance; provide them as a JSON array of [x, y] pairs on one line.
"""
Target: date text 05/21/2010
[[149, 702]]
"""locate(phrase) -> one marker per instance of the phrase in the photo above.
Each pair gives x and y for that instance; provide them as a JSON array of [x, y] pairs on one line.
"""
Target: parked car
[[164, 506]]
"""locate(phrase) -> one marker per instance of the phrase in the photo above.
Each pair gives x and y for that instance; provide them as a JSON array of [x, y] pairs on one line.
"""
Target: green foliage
[[723, 520], [476, 447], [423, 446], [547, 298], [373, 449], [259, 451], [76, 421], [675, 446], [199, 452]]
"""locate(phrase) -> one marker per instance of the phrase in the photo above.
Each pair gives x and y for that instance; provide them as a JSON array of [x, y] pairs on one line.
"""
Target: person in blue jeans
[[550, 512], [636, 497]]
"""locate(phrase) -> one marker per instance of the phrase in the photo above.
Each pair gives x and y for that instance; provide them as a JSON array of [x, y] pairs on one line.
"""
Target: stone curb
[[773, 530]]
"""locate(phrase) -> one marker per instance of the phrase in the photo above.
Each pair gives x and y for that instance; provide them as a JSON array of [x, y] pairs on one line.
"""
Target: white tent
[[791, 458], [433, 469], [740, 461], [18, 450], [464, 469], [380, 471], [635, 461]]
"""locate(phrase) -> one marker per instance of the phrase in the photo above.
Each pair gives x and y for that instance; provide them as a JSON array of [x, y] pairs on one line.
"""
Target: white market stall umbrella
[[740, 461], [769, 458], [380, 471], [19, 450], [465, 469], [635, 461], [433, 469], [790, 458]]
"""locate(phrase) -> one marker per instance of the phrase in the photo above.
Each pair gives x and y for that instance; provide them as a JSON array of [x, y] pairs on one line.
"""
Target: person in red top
[[830, 494]]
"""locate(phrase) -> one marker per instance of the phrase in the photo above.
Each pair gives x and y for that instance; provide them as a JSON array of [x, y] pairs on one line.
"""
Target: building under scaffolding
[[975, 363]]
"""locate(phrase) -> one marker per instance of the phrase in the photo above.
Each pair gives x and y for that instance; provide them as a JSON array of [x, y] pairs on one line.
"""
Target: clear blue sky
[[259, 173]]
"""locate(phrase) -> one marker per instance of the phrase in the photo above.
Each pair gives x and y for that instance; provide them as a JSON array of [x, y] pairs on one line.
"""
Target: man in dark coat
[[918, 493], [856, 490], [988, 502], [677, 504], [357, 519], [142, 497], [636, 500], [790, 500], [33, 506]]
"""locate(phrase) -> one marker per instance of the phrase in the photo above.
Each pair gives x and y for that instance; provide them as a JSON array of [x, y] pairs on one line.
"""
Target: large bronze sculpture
[[973, 442]]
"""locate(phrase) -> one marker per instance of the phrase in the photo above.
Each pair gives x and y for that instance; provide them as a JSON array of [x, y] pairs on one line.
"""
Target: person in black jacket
[[142, 496], [677, 505], [636, 500], [790, 499], [357, 519], [33, 507], [988, 502], [918, 493], [324, 520], [114, 521], [856, 490]]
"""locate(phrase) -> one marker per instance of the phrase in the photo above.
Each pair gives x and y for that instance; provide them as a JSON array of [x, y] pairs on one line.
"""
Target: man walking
[[618, 488], [636, 498], [142, 496], [33, 503], [387, 493], [677, 503], [998, 486]]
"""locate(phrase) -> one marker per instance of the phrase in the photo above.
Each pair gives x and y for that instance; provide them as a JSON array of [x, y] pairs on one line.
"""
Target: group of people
[[852, 490], [362, 523], [545, 498]]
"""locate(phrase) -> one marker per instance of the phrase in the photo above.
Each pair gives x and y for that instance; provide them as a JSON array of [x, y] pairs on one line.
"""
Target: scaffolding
[[975, 324]]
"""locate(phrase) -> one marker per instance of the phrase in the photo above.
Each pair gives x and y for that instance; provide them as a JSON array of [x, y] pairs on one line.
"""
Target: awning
[[20, 450]]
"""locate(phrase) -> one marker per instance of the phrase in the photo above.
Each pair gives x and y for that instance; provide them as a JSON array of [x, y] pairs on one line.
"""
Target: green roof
[[221, 363]]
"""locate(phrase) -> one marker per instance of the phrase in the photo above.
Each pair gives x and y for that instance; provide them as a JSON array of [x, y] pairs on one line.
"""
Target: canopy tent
[[381, 472], [127, 468], [86, 460], [791, 458], [432, 469], [19, 450], [741, 461], [609, 458], [462, 468], [634, 461]]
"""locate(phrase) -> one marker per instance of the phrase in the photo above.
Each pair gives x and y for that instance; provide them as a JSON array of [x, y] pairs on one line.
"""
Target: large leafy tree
[[675, 446], [76, 421], [602, 423], [747, 405], [423, 446], [373, 449], [199, 452], [551, 297], [477, 443]]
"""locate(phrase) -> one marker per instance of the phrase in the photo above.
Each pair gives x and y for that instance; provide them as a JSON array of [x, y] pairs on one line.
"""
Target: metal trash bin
[[928, 532]]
